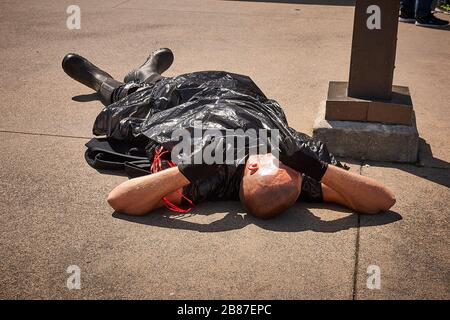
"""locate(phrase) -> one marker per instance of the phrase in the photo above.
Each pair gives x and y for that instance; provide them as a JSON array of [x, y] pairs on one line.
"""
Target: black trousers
[[130, 87]]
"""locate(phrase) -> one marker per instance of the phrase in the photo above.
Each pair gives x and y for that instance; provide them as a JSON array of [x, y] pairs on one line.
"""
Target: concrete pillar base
[[397, 110], [368, 140]]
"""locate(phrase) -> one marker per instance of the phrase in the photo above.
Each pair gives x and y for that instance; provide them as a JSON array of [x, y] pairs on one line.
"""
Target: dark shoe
[[406, 17], [83, 71], [158, 62], [431, 21]]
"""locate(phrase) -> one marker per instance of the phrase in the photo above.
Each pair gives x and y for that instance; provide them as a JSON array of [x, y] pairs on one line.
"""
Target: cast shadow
[[314, 2], [426, 157], [112, 172], [445, 28], [297, 219], [87, 97], [423, 168]]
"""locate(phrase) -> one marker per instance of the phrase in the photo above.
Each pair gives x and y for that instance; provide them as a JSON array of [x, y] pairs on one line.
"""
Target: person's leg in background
[[407, 11], [419, 11], [425, 18], [423, 8]]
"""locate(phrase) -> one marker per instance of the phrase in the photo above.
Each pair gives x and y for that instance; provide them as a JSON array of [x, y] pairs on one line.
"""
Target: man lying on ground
[[145, 111]]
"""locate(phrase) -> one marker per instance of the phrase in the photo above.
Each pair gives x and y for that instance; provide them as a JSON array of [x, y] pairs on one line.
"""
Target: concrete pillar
[[367, 117], [373, 49]]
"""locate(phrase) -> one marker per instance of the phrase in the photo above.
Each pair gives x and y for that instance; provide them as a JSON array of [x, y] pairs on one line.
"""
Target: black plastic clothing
[[145, 120]]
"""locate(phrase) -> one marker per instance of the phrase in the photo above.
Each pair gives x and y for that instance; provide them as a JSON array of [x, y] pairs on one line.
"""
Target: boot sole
[[407, 20], [437, 26]]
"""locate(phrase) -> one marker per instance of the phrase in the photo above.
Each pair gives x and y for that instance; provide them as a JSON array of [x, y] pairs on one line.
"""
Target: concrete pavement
[[53, 211]]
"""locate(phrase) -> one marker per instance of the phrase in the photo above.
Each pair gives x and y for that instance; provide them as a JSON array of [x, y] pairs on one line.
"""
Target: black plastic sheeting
[[146, 119]]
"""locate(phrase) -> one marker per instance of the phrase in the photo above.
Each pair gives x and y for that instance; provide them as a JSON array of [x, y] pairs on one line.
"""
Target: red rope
[[156, 167]]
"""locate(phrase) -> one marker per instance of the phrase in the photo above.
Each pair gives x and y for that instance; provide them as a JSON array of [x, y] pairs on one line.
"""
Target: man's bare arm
[[357, 192], [141, 195]]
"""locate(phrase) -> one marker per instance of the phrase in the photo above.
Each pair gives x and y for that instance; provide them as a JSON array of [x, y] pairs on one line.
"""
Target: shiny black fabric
[[311, 190], [218, 100], [124, 90]]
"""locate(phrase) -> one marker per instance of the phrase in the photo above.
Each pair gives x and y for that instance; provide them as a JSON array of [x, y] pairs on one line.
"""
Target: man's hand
[[302, 159], [141, 195]]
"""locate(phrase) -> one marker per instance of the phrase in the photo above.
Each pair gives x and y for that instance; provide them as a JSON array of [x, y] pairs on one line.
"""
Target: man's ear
[[253, 168]]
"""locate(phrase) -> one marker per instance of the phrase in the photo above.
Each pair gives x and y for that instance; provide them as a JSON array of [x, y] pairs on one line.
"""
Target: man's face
[[262, 165], [268, 186]]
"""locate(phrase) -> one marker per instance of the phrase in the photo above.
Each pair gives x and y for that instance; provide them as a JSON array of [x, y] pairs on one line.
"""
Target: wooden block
[[339, 106], [398, 110]]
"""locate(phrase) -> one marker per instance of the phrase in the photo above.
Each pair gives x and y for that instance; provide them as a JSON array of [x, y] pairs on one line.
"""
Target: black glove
[[195, 172], [201, 171], [304, 160]]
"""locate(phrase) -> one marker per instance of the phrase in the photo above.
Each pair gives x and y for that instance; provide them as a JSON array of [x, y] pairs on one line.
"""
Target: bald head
[[268, 187]]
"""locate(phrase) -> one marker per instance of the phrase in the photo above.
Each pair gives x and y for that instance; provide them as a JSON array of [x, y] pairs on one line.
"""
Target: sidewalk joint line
[[44, 134], [356, 265], [121, 3]]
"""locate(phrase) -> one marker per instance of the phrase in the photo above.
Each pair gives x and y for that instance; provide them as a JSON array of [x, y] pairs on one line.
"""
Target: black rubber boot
[[158, 62], [83, 71]]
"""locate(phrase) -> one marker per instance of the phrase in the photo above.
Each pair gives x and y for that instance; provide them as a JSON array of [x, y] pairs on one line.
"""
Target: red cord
[[156, 167]]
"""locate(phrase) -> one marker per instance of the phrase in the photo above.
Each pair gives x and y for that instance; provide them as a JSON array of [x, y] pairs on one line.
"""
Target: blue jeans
[[420, 8]]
